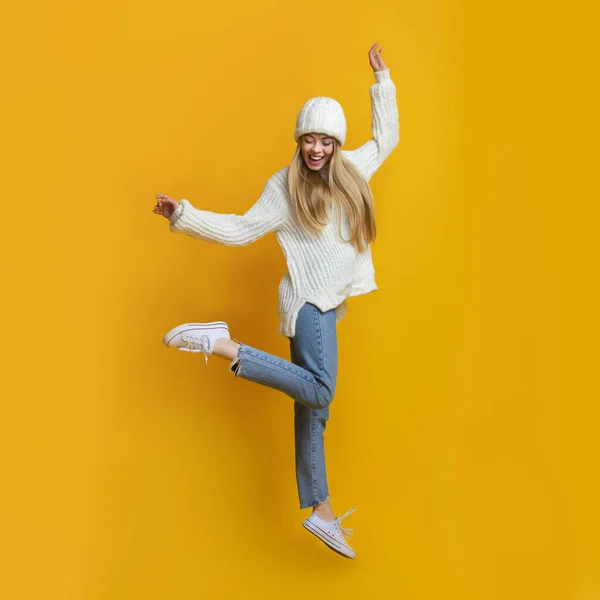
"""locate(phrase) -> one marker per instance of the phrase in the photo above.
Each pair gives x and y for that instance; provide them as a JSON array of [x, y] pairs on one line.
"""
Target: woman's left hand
[[375, 59]]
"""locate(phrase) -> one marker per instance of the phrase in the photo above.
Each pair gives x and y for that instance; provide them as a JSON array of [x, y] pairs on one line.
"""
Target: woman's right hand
[[165, 206]]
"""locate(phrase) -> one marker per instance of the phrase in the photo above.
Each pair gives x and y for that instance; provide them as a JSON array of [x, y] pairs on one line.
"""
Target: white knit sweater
[[322, 269]]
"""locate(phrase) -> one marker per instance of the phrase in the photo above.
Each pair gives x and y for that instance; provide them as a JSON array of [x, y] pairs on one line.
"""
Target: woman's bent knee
[[315, 398], [324, 396]]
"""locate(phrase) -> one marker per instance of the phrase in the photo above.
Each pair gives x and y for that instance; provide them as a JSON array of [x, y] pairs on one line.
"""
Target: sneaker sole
[[181, 328], [335, 546]]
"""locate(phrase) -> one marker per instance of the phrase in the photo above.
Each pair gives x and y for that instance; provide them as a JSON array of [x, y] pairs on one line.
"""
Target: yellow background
[[465, 426]]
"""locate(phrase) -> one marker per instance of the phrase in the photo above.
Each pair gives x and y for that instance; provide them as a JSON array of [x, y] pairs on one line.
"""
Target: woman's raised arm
[[385, 122]]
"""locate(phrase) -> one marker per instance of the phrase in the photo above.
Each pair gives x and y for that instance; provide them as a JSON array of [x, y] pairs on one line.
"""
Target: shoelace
[[345, 530], [194, 344], [201, 344]]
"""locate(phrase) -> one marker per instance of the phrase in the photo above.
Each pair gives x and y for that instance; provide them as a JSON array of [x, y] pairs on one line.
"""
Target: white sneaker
[[197, 337], [331, 532]]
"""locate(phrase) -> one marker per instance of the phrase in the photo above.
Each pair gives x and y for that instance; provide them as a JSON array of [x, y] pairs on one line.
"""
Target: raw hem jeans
[[310, 380]]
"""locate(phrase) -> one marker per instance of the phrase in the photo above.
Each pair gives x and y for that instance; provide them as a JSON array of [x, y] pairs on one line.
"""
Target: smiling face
[[317, 149]]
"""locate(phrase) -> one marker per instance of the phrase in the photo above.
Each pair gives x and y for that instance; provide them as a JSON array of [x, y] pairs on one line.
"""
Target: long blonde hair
[[311, 197]]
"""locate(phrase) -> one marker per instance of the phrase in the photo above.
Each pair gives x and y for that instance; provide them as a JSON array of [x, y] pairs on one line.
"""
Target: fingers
[[159, 208], [165, 205], [375, 56]]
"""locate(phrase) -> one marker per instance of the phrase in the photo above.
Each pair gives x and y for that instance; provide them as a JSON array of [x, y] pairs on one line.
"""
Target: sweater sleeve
[[266, 215], [385, 127]]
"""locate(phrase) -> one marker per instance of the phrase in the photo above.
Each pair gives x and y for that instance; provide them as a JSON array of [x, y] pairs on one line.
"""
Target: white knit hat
[[322, 115]]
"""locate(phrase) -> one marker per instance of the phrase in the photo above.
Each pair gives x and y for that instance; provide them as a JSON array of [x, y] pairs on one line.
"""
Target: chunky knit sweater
[[322, 269]]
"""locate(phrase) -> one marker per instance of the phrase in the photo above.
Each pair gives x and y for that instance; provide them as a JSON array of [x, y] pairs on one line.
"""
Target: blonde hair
[[311, 197]]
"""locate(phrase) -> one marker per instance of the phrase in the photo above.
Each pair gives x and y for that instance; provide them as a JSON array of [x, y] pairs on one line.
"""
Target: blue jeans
[[310, 380]]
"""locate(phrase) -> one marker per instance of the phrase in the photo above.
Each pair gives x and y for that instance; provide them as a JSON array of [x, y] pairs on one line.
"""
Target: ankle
[[226, 348], [324, 510]]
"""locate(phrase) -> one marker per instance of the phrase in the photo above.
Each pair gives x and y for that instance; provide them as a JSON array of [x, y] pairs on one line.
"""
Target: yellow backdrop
[[465, 422]]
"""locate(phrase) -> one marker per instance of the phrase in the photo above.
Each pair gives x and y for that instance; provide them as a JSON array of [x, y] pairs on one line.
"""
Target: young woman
[[322, 211]]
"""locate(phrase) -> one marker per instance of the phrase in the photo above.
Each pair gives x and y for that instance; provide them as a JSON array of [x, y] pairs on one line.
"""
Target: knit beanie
[[322, 115]]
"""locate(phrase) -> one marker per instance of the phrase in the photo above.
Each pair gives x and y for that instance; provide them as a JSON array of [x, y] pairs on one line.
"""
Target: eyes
[[326, 143]]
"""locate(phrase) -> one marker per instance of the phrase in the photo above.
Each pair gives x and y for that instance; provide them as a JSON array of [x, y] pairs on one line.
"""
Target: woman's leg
[[310, 379], [310, 424], [311, 383]]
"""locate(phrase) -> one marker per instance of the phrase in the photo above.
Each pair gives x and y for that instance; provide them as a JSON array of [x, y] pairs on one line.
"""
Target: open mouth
[[315, 160]]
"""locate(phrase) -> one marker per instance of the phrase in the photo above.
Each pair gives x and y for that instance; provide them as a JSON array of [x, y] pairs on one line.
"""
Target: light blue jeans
[[310, 380]]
